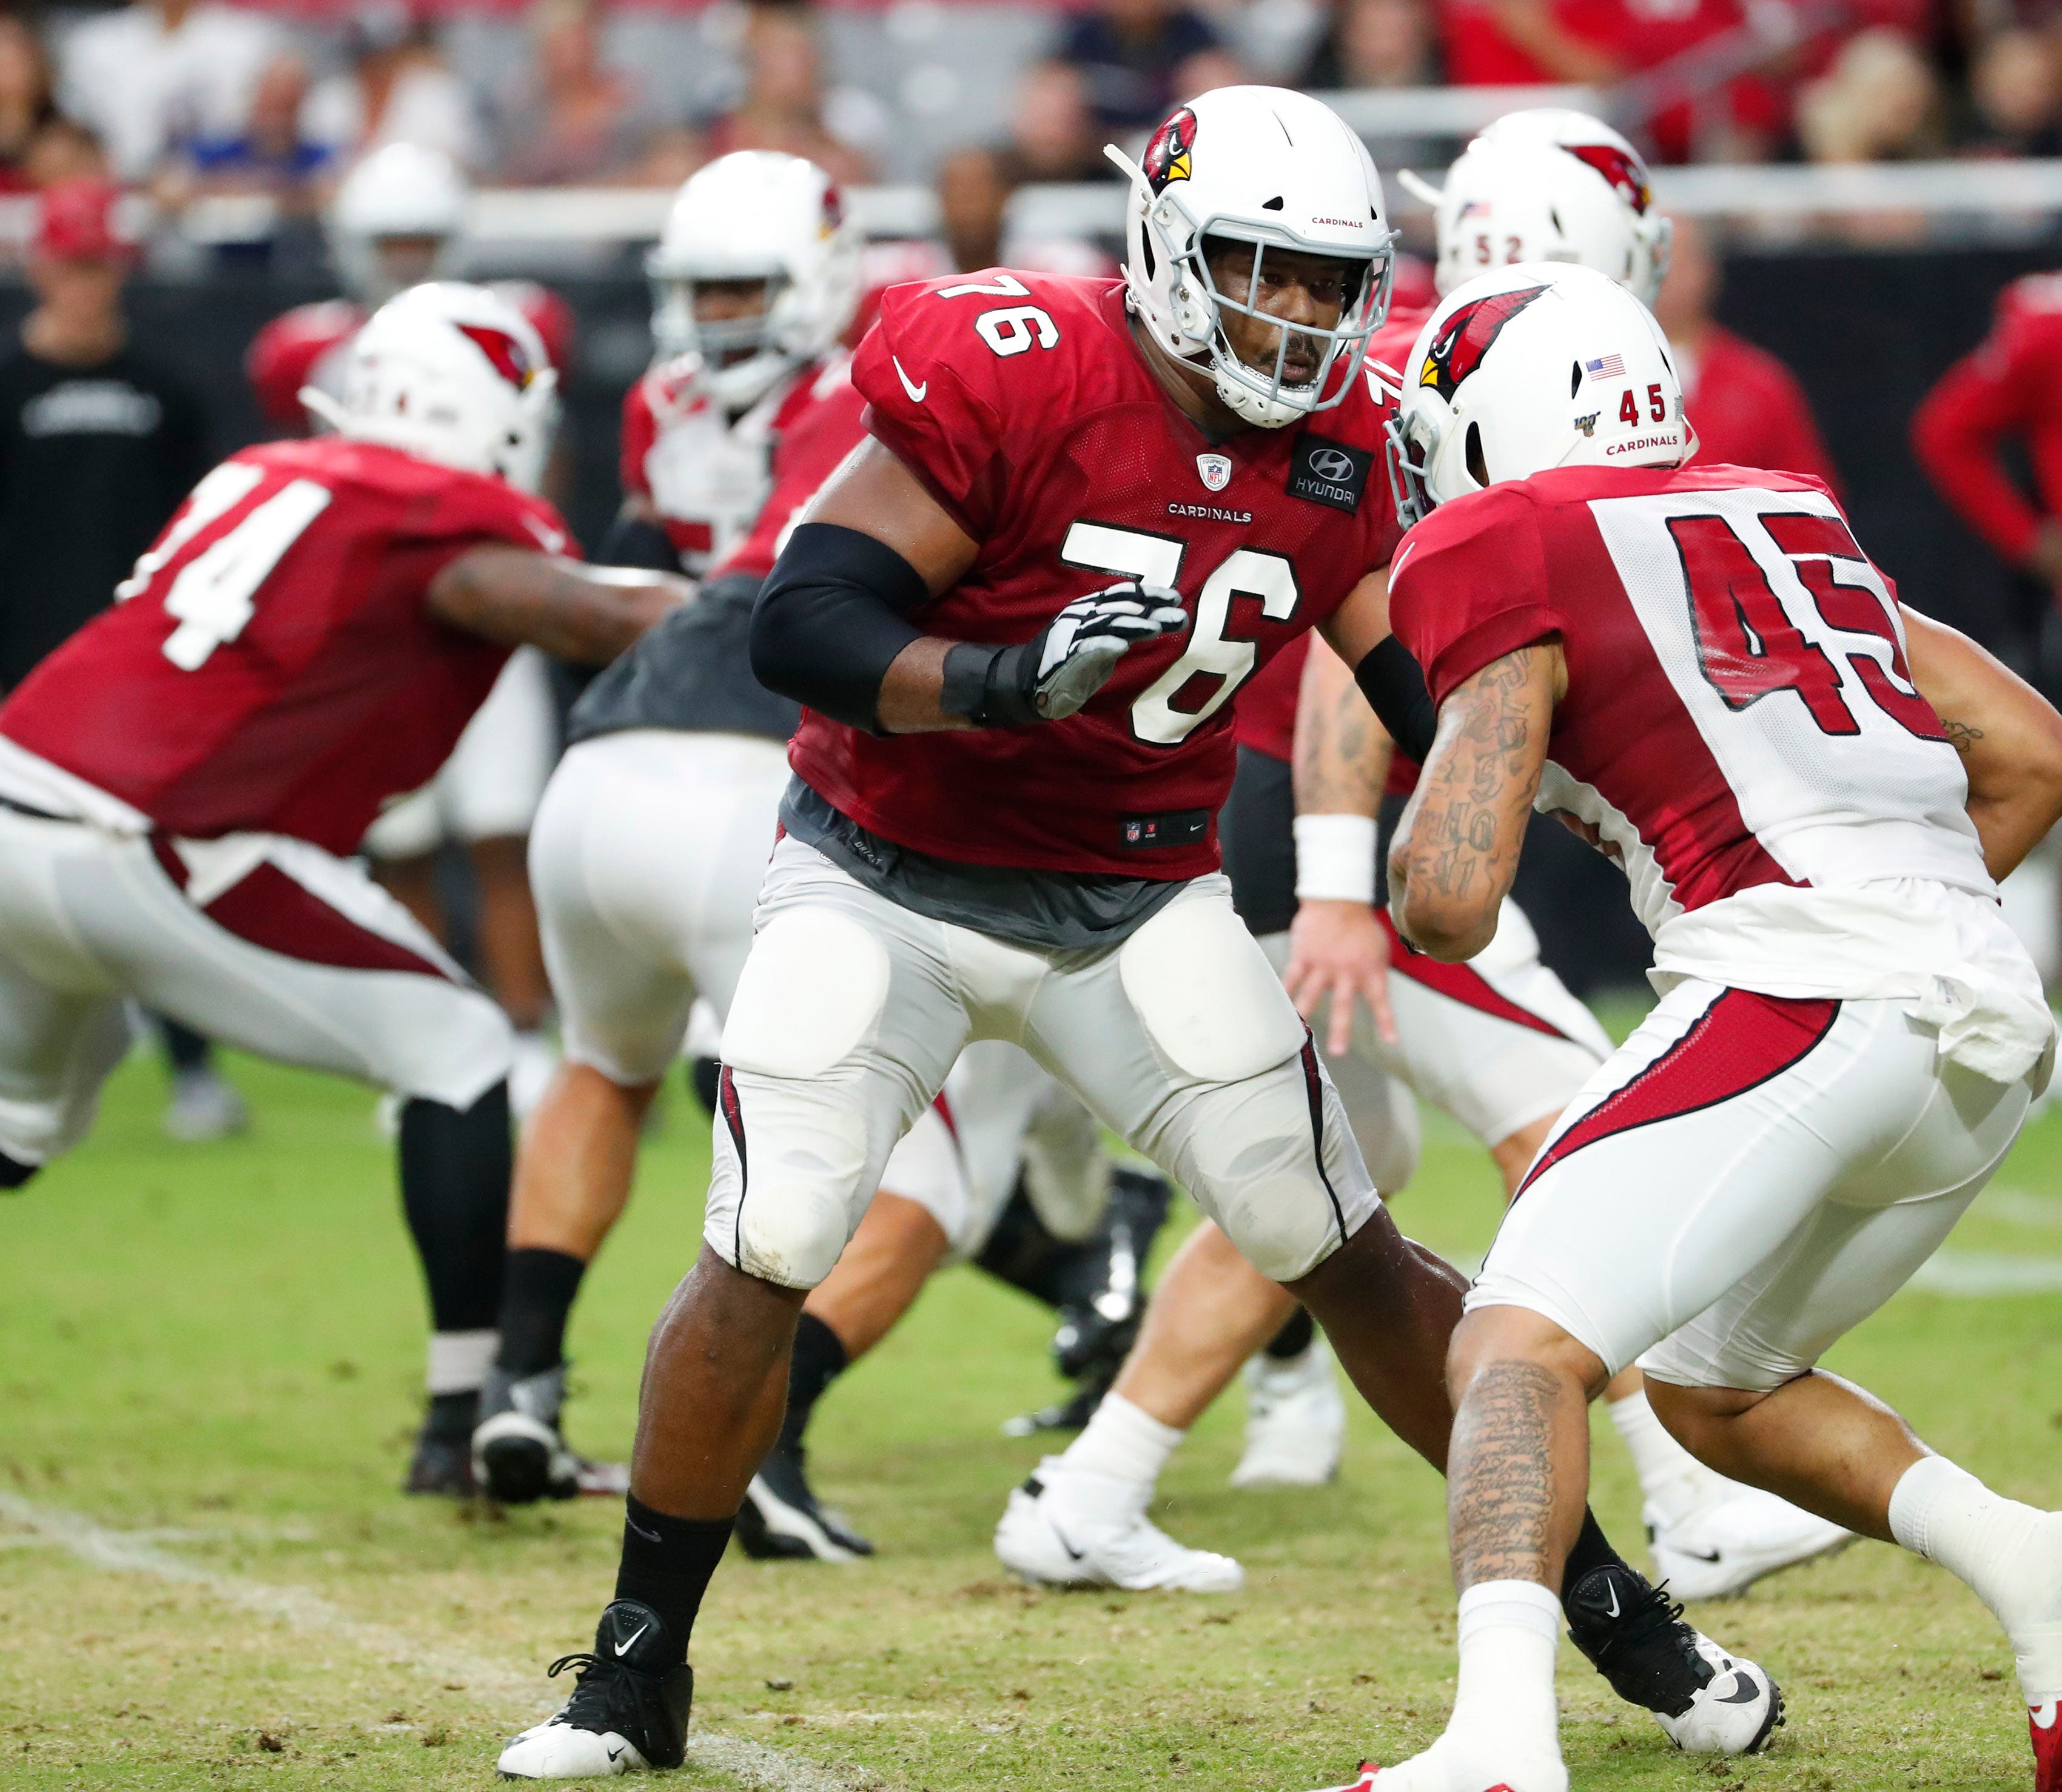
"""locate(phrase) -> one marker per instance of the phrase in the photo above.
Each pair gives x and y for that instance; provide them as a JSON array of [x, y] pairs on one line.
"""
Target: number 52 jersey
[[270, 667], [1022, 403]]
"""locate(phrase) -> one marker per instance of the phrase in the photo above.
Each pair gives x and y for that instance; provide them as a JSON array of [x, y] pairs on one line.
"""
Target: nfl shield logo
[[1215, 469]]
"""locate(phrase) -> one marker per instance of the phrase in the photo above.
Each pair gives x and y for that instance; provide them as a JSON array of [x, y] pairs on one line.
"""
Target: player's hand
[[1052, 676], [1339, 951]]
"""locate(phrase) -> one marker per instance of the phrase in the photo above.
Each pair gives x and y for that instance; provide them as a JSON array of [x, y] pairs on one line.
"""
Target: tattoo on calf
[[1503, 1470]]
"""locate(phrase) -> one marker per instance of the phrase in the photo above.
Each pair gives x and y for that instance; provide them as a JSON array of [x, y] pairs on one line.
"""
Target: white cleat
[[1453, 1764], [1735, 1711], [556, 1750], [1295, 1420], [1063, 1528], [1724, 1545]]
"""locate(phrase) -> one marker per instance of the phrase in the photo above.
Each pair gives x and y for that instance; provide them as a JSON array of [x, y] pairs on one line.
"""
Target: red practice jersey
[[270, 667], [2011, 386], [1266, 707], [825, 423], [1739, 711], [1024, 404], [304, 348]]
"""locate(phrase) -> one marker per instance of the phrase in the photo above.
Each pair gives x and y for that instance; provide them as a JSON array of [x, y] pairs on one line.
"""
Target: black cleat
[[1707, 1701], [518, 1450], [629, 1707], [783, 1520], [443, 1461]]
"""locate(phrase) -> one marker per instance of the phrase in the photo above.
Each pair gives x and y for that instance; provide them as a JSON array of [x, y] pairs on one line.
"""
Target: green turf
[[216, 1347]]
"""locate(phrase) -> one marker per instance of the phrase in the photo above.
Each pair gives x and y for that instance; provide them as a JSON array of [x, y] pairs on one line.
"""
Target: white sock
[[460, 1360], [1123, 1442], [1670, 1478], [1509, 1630], [2009, 1554]]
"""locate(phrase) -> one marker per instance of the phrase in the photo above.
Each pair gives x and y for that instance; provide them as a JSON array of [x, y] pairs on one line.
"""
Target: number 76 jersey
[[1024, 406], [269, 667], [1739, 711]]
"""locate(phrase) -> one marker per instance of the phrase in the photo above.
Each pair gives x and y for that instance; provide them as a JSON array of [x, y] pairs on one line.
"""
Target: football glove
[[1053, 674]]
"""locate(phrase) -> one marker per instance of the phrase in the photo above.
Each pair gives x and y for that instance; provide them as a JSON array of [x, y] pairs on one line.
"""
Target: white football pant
[[851, 1011], [266, 943], [1746, 1180]]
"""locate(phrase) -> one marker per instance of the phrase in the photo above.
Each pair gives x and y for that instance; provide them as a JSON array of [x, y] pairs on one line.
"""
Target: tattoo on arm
[[1498, 719], [1501, 1466], [1961, 736]]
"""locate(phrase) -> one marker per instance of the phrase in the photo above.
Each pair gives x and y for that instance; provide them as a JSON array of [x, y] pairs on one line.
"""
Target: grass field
[[208, 1360]]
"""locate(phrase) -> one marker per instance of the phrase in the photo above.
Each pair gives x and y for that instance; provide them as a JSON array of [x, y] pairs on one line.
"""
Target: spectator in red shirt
[[2011, 386], [1747, 408]]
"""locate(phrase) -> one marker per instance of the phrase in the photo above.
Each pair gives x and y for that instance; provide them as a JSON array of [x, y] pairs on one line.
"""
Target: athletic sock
[[1671, 1479], [667, 1563], [537, 1292], [1295, 1337], [1590, 1551], [818, 1360], [1124, 1442], [454, 1171], [2009, 1554], [1504, 1711], [457, 1362]]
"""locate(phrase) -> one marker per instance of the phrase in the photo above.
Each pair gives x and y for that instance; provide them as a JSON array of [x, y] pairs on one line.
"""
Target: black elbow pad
[[638, 541], [828, 622], [1393, 685]]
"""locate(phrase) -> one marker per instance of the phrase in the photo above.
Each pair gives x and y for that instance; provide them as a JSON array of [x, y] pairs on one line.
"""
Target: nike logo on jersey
[[916, 392], [624, 1649], [1746, 1693]]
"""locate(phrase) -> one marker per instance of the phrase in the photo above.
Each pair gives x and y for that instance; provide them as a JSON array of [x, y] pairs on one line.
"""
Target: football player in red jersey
[[182, 782], [2010, 386], [1499, 1044], [398, 218], [1703, 670], [1114, 503]]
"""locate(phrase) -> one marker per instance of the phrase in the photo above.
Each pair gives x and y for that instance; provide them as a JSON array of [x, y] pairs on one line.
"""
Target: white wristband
[[1335, 858]]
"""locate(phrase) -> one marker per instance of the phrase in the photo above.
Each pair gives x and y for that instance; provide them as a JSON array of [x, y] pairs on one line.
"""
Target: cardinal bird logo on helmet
[[1167, 156], [1624, 173], [1458, 348], [506, 355]]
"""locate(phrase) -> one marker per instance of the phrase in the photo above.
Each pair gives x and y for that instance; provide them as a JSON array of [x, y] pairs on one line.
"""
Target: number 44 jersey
[[1739, 719], [270, 667], [1025, 405]]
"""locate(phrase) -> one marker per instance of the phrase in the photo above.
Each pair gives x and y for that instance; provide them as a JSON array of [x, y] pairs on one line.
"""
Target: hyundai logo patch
[[1214, 469], [1328, 472]]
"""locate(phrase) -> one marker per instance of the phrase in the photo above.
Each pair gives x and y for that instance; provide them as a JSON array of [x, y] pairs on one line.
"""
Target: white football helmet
[[1280, 170], [455, 373], [756, 214], [401, 193], [1528, 367], [1548, 185]]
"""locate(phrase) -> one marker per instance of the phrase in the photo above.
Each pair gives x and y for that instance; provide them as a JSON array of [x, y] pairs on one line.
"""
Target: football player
[[1813, 791], [1498, 1043], [651, 844], [183, 783], [1016, 617], [398, 219]]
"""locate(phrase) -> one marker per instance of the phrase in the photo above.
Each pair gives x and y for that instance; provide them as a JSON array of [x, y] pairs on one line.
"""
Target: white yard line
[[754, 1763]]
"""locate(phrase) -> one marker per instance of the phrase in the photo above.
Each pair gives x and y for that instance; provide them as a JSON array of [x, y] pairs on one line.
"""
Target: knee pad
[[792, 1171], [813, 989], [1232, 1024]]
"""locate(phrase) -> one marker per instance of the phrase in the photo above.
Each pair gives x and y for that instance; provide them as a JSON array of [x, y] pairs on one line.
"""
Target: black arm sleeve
[[829, 621], [638, 541], [1393, 682]]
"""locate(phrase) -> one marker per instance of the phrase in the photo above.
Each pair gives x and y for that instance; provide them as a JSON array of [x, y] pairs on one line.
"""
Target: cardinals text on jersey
[[1026, 406]]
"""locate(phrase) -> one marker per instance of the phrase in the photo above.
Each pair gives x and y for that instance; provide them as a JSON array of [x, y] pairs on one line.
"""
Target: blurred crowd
[[195, 98]]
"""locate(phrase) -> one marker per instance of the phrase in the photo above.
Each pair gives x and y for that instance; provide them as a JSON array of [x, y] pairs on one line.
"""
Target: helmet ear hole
[[1574, 378], [1478, 467]]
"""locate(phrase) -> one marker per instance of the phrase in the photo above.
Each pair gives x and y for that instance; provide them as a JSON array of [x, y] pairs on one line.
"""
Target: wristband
[[1335, 858]]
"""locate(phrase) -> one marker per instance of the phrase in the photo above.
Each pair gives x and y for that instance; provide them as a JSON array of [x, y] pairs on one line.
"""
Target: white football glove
[[1052, 676]]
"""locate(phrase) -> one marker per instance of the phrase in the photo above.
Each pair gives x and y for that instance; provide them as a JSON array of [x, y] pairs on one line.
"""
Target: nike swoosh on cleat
[[1745, 1693], [615, 1755], [1701, 1555], [916, 392], [1071, 1550], [624, 1649]]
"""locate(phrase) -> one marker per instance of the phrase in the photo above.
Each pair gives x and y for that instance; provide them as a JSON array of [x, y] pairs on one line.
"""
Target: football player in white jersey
[[1813, 790], [1500, 1043]]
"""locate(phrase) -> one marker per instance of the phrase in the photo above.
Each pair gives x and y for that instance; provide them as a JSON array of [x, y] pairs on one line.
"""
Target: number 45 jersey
[[1740, 721], [270, 667], [1025, 405]]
